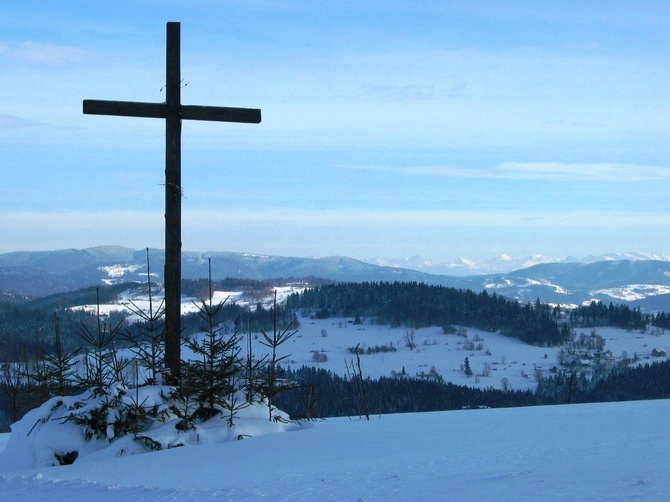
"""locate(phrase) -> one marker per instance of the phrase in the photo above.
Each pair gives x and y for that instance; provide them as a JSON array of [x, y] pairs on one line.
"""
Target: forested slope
[[420, 305]]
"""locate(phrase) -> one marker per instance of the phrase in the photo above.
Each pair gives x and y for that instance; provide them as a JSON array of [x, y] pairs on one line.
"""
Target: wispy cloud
[[402, 218], [287, 217], [43, 54], [412, 92], [585, 172], [13, 221], [15, 122], [550, 171]]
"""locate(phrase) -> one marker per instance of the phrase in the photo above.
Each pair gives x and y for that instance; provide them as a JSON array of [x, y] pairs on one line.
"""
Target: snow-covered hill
[[613, 451], [497, 361]]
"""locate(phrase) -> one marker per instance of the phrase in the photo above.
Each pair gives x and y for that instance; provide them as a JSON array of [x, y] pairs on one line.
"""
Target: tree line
[[619, 315], [318, 393], [418, 305], [623, 383]]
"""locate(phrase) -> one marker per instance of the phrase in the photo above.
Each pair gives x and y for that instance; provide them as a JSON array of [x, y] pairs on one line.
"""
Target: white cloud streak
[[13, 221], [346, 217], [411, 218], [16, 122], [550, 171], [44, 54]]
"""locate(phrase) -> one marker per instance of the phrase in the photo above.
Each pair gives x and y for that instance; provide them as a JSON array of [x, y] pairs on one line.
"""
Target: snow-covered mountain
[[632, 256], [502, 264], [638, 279]]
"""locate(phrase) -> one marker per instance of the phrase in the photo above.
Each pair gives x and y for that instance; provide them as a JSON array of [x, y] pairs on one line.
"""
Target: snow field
[[610, 451], [507, 358]]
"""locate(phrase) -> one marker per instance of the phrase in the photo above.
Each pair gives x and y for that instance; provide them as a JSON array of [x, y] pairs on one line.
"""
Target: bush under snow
[[119, 421]]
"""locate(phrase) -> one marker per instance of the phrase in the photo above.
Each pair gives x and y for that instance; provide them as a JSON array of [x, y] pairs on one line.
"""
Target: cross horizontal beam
[[160, 111]]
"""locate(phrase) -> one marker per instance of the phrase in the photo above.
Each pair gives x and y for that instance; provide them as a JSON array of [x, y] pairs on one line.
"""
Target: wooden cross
[[173, 112]]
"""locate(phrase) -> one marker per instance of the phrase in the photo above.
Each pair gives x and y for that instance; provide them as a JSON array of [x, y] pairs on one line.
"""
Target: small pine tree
[[467, 370], [61, 365], [147, 340], [214, 377], [101, 367], [271, 385]]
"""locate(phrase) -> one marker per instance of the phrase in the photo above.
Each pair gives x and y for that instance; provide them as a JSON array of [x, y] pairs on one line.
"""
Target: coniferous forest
[[320, 393], [620, 316], [419, 305]]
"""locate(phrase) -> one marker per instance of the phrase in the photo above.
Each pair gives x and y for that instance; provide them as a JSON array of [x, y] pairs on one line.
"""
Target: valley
[[497, 361]]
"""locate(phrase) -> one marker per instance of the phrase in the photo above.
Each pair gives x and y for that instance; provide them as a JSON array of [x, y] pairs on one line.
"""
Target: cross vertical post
[[173, 195], [173, 112]]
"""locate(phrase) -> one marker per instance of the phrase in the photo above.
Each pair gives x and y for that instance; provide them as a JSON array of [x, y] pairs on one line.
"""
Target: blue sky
[[441, 129]]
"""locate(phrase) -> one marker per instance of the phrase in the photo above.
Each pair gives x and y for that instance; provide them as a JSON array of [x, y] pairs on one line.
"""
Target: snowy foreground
[[613, 451]]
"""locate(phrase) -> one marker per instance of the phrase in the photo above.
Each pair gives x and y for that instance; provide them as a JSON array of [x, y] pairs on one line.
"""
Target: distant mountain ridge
[[501, 264], [638, 282], [39, 273]]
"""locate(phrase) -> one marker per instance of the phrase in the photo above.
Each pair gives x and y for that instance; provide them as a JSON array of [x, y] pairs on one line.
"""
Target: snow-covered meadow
[[507, 358], [612, 451]]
